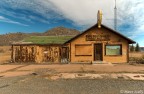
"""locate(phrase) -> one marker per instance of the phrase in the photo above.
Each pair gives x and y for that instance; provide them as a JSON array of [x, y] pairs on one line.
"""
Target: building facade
[[93, 45], [99, 44], [39, 53]]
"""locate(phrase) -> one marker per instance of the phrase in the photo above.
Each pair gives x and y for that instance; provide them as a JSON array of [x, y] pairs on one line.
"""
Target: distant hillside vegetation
[[61, 31], [7, 39]]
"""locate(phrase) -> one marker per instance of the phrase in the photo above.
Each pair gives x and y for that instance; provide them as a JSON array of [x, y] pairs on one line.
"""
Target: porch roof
[[44, 40]]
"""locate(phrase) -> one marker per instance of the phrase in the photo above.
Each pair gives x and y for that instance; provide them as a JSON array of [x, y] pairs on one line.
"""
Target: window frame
[[82, 45], [114, 45]]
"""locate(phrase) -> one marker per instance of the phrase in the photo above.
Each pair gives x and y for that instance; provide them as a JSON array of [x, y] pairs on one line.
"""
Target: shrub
[[137, 60], [2, 51]]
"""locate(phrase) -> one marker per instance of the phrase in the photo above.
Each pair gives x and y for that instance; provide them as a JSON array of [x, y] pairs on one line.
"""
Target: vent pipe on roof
[[99, 18]]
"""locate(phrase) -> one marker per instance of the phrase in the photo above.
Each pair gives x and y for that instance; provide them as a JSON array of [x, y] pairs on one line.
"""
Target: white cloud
[[84, 12], [79, 11], [132, 13], [3, 19], [15, 15], [12, 8]]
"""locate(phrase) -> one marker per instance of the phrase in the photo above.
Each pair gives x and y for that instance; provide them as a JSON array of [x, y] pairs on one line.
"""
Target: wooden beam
[[12, 52]]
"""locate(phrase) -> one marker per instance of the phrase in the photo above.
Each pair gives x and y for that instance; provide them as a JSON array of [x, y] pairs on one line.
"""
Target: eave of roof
[[129, 40], [31, 44], [43, 40]]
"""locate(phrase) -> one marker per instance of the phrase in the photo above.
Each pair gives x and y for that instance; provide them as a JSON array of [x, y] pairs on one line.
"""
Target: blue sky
[[41, 15]]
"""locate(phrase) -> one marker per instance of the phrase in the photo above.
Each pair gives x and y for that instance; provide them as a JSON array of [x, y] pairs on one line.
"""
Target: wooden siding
[[114, 39], [35, 53], [79, 49]]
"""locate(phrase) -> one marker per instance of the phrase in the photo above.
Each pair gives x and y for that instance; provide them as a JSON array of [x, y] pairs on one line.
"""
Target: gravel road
[[31, 84]]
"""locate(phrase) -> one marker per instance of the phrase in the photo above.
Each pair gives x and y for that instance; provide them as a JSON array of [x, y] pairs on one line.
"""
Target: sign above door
[[101, 37]]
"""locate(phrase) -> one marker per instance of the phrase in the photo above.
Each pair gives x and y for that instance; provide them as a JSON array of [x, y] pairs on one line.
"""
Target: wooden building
[[99, 43], [52, 51]]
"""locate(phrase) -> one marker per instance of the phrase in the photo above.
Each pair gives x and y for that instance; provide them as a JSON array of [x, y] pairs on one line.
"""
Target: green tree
[[137, 49], [132, 48]]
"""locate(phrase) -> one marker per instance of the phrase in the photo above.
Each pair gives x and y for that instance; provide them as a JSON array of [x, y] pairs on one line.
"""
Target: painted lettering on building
[[101, 37]]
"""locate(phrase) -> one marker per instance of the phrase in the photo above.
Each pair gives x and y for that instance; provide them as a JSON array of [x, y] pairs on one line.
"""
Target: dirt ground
[[75, 68], [5, 54], [72, 68], [74, 71]]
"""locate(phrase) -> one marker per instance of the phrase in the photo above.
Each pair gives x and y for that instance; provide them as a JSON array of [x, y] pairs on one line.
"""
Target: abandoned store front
[[94, 44], [99, 43], [48, 52]]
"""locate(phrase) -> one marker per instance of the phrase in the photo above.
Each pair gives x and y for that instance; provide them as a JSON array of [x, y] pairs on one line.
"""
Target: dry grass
[[5, 54], [136, 54]]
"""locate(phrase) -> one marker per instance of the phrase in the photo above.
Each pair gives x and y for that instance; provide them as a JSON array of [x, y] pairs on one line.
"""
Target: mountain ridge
[[7, 39]]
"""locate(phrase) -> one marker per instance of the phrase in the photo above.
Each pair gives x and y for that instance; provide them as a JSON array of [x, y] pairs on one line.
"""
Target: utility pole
[[115, 16]]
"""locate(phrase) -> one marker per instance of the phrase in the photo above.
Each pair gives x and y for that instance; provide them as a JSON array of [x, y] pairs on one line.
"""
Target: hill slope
[[7, 39], [61, 31]]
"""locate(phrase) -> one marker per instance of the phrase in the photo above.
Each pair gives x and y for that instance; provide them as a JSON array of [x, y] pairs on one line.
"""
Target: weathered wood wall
[[38, 54], [89, 57], [81, 49]]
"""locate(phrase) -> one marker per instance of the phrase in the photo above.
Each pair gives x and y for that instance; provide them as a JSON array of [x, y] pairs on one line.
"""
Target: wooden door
[[98, 56], [64, 55]]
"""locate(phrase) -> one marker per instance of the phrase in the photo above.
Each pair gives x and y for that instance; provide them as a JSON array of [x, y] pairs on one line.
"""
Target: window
[[113, 50], [83, 50]]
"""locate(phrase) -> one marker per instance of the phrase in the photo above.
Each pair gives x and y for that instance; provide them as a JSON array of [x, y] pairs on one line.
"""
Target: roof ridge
[[130, 40]]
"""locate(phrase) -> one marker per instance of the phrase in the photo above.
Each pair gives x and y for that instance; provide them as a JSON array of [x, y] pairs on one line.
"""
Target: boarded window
[[113, 50], [83, 50]]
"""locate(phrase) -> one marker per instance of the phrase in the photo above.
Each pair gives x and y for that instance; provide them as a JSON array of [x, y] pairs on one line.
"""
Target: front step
[[100, 62]]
